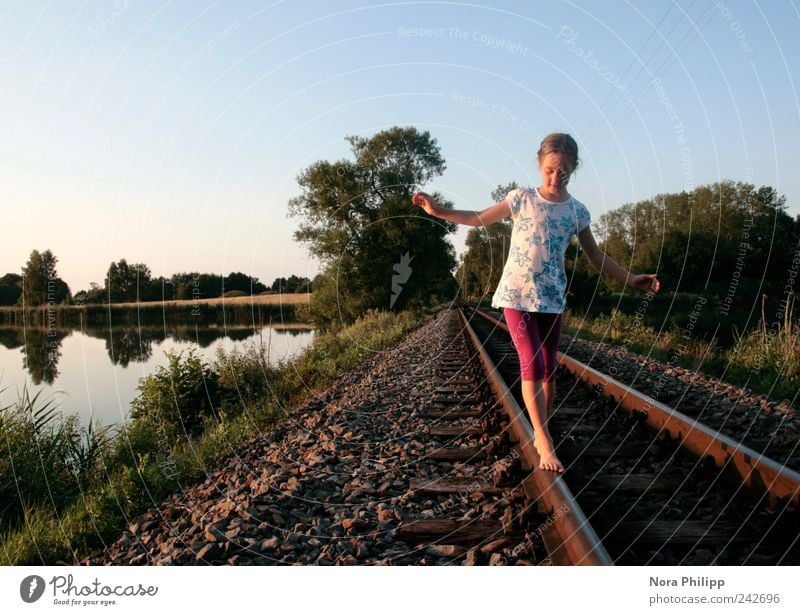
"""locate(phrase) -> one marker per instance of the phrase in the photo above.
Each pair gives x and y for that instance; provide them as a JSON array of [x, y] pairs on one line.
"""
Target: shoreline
[[271, 299]]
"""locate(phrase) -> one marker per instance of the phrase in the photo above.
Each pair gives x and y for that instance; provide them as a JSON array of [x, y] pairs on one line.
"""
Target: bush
[[244, 376], [178, 397]]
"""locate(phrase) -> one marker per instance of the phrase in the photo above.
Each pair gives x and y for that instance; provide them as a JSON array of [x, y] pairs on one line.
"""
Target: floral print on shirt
[[533, 277]]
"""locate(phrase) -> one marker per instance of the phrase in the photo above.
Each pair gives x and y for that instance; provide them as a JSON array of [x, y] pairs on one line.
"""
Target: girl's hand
[[646, 282], [426, 202]]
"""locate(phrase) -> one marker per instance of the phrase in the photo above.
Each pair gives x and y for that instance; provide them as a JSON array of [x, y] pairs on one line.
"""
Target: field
[[276, 299]]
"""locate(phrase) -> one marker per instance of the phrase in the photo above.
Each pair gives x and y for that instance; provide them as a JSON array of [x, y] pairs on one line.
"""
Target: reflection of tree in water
[[205, 336], [42, 347], [295, 332], [41, 350], [11, 337], [126, 345]]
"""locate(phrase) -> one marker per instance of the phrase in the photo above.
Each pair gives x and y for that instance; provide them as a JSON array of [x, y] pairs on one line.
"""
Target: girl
[[532, 288]]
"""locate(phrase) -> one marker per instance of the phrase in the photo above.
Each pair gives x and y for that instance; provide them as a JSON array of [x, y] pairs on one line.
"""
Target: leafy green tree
[[95, 294], [10, 289], [158, 289], [699, 241], [243, 282], [357, 218], [197, 285], [126, 282], [292, 284], [209, 285], [482, 264], [40, 281], [487, 249]]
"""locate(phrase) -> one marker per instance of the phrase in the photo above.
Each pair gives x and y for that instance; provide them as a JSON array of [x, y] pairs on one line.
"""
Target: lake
[[94, 372]]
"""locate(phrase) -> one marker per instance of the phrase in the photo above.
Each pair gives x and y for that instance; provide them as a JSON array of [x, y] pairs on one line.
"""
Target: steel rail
[[755, 470], [570, 538]]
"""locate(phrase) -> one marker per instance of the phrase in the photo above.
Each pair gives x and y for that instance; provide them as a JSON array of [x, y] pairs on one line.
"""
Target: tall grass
[[670, 345], [67, 491], [768, 358], [765, 359], [47, 460]]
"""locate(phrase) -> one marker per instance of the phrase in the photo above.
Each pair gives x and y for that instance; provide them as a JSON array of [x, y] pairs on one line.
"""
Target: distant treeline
[[731, 242], [39, 284], [154, 313], [134, 332]]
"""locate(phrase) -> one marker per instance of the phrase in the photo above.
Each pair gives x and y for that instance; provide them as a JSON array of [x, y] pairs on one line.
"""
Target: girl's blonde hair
[[560, 143]]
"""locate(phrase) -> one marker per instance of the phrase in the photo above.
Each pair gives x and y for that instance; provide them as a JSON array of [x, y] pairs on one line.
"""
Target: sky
[[172, 133]]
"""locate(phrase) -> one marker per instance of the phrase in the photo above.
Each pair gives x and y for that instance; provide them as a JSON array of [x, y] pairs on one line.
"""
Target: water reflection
[[41, 348]]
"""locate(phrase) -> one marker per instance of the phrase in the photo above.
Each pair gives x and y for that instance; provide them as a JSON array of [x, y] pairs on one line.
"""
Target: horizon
[[171, 134]]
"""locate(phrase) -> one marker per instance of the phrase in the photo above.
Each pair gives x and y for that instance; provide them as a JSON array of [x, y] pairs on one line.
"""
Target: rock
[[349, 523], [215, 531], [385, 515], [270, 544], [209, 552], [471, 558], [497, 559]]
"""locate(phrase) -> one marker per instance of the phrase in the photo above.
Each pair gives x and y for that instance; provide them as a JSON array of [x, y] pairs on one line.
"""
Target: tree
[[701, 241], [10, 289], [95, 294], [158, 289], [292, 284], [487, 250], [40, 281], [126, 282], [377, 249], [243, 282]]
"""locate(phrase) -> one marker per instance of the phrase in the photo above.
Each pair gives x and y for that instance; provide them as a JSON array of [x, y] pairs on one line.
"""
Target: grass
[[68, 491], [765, 361]]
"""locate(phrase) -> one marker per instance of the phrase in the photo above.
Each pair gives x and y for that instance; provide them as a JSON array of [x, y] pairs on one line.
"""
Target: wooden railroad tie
[[450, 531], [674, 532], [448, 486], [454, 413], [457, 431], [462, 454], [629, 483]]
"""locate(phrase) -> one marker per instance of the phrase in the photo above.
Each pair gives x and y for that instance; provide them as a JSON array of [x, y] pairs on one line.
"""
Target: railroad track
[[651, 485], [423, 455], [475, 425]]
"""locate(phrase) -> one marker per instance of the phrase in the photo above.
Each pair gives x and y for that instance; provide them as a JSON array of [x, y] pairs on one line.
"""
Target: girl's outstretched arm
[[647, 282], [490, 215]]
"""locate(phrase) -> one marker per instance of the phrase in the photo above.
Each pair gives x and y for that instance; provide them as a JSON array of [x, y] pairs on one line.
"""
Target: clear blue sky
[[171, 133]]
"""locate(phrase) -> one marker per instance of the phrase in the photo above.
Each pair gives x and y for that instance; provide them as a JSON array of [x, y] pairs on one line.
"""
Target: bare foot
[[547, 456]]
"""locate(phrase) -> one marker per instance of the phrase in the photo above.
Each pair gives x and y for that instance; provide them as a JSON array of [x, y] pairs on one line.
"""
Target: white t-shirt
[[534, 279]]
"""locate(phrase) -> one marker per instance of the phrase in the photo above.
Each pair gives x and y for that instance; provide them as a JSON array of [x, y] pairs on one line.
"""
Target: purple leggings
[[535, 336]]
